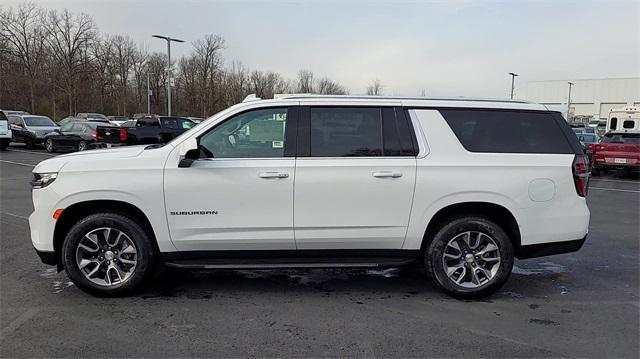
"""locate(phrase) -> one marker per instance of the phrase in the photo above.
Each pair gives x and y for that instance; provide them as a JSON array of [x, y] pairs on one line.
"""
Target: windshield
[[626, 138], [39, 121]]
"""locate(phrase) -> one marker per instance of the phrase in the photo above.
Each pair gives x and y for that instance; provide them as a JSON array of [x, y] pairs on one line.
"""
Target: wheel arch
[[492, 211], [73, 213]]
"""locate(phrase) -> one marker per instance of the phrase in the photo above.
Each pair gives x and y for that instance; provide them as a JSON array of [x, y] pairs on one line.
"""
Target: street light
[[513, 77], [168, 39], [569, 99]]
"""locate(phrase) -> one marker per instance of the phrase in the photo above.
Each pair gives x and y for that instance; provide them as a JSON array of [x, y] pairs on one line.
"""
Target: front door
[[355, 187], [239, 194]]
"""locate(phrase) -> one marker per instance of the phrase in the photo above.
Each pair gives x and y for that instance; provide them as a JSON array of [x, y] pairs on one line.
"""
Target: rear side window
[[628, 124], [500, 131], [170, 123], [345, 132], [614, 123]]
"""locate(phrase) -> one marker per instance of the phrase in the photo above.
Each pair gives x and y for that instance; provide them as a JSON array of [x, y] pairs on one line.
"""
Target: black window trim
[[304, 131], [290, 131], [559, 121]]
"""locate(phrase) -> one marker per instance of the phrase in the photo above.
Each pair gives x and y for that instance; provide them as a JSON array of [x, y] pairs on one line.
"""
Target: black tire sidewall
[[85, 146], [435, 249], [145, 255]]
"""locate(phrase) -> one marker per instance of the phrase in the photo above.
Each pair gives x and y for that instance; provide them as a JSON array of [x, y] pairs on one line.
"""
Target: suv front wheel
[[469, 257], [107, 254]]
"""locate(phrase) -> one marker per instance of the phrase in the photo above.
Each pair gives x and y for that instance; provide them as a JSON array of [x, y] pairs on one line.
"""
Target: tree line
[[57, 63]]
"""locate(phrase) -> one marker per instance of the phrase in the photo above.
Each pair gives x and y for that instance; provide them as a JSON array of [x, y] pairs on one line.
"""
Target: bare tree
[[328, 87], [24, 36], [156, 69], [305, 82], [68, 38], [375, 88], [208, 63], [123, 55]]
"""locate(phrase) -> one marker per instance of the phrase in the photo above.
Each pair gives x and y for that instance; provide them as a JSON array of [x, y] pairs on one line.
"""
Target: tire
[[48, 145], [455, 231], [82, 146], [120, 281], [4, 143], [595, 171]]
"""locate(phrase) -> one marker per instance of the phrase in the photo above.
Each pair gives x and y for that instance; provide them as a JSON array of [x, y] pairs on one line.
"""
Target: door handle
[[273, 175], [387, 174]]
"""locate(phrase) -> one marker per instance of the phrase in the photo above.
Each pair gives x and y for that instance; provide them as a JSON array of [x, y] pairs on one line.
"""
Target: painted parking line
[[19, 321], [614, 189], [16, 215], [17, 163], [32, 152]]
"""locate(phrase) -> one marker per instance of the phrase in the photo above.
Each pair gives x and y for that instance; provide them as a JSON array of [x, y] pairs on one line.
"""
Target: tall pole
[[148, 96], [169, 78], [168, 39], [513, 78], [569, 100]]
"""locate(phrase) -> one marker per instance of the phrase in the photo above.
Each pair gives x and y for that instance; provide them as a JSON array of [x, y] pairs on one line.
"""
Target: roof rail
[[365, 97]]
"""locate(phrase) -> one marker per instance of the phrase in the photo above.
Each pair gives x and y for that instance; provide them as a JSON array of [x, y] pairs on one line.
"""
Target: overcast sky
[[463, 48]]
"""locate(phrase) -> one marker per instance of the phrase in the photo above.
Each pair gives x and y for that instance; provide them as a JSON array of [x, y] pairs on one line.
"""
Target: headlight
[[41, 180]]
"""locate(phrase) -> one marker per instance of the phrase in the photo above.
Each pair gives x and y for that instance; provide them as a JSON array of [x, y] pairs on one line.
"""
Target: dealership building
[[589, 97]]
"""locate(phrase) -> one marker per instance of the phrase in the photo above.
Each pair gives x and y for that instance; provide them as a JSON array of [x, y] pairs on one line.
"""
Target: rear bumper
[[549, 249], [104, 145]]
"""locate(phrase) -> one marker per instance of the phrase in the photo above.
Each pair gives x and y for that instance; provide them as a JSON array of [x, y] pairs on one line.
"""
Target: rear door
[[354, 179]]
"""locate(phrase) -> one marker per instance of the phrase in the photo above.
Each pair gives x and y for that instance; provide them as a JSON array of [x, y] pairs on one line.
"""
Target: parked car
[[118, 120], [78, 119], [624, 119], [30, 129], [617, 151], [461, 187], [5, 131], [149, 130], [92, 115], [588, 140], [14, 112], [578, 130], [75, 136]]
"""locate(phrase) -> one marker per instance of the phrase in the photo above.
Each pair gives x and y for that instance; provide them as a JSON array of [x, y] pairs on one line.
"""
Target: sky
[[446, 48]]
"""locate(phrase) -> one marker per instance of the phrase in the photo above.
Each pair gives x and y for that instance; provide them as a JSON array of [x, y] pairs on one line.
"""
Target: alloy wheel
[[106, 256], [471, 259]]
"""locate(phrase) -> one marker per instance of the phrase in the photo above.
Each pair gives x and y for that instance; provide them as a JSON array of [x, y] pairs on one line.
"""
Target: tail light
[[123, 134], [591, 147], [95, 135], [580, 170]]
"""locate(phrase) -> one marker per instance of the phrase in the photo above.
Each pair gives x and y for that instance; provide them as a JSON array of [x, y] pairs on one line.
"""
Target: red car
[[616, 151]]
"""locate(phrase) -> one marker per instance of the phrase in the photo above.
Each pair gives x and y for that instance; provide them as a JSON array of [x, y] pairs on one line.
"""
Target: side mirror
[[188, 153]]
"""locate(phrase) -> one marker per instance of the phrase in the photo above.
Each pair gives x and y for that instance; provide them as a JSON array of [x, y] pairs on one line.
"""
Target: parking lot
[[583, 304]]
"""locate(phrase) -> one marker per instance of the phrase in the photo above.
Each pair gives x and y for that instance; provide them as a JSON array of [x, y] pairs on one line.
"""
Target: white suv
[[461, 187]]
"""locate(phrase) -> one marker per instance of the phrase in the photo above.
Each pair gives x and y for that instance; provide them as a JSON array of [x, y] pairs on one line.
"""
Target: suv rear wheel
[[107, 254], [469, 257]]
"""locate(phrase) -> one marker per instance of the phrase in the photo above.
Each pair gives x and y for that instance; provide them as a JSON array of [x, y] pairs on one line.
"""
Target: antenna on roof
[[251, 97]]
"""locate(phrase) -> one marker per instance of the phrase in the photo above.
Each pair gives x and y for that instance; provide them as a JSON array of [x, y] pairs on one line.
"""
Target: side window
[[253, 134], [171, 123], [614, 123], [76, 127], [628, 124], [186, 124], [148, 122], [397, 137], [343, 131], [15, 120], [507, 131], [66, 127]]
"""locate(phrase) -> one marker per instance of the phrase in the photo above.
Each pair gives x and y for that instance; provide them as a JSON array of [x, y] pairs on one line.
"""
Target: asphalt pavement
[[583, 304]]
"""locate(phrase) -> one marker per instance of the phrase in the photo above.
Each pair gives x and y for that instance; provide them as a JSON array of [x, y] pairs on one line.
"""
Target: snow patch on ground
[[542, 268]]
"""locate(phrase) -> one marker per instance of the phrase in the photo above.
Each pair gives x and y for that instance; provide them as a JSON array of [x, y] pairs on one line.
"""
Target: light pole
[[513, 78], [168, 39], [569, 100]]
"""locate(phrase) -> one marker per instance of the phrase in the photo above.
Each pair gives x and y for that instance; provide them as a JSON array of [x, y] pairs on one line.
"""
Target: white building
[[590, 97]]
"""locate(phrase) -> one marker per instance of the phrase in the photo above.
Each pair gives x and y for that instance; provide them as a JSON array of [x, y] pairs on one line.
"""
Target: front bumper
[[47, 257]]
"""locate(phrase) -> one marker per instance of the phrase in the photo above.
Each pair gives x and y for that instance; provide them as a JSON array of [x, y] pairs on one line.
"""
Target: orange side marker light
[[57, 213]]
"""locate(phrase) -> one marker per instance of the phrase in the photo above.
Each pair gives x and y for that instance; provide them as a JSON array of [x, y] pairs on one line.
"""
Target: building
[[589, 97]]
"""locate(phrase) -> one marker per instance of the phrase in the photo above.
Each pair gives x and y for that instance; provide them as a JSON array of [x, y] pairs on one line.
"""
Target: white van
[[624, 119]]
